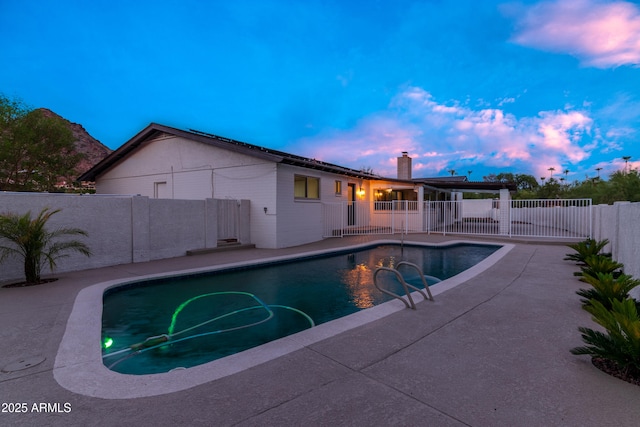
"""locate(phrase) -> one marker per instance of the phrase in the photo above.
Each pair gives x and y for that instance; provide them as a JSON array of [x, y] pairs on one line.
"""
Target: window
[[306, 187], [338, 188]]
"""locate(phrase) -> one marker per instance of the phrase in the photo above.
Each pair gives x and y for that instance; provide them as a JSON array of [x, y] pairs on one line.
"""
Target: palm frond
[[621, 342], [31, 240], [587, 248]]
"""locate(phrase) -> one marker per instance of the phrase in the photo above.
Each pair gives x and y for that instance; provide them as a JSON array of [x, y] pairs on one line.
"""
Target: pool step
[[222, 248]]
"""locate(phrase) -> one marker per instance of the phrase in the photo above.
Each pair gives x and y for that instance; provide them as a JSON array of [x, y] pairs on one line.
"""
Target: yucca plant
[[595, 264], [587, 248], [621, 342], [29, 239], [606, 287]]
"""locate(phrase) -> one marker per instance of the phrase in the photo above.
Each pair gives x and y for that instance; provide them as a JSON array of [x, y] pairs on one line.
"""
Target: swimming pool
[[171, 323], [79, 367]]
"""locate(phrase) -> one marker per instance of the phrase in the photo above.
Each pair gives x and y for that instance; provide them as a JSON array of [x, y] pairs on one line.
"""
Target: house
[[290, 196]]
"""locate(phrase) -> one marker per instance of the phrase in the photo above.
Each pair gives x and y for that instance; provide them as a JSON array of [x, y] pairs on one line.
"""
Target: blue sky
[[478, 86]]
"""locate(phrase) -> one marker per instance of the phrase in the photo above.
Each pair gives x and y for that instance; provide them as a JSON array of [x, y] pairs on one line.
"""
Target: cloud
[[441, 136], [600, 34]]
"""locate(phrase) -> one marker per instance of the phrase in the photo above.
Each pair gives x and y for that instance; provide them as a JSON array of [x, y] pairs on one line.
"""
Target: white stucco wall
[[300, 221], [196, 171]]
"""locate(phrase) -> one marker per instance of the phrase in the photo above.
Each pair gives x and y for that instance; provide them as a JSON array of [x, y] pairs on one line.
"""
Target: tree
[[550, 190], [526, 182], [32, 242], [623, 187], [35, 150]]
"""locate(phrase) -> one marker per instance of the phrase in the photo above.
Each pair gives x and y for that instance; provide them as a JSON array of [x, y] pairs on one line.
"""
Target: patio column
[[505, 214]]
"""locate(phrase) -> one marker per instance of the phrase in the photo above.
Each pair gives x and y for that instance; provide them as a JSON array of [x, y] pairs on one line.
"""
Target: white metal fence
[[354, 218], [537, 218]]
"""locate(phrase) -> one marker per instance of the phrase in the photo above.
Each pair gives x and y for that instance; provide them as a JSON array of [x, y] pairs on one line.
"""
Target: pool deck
[[493, 351]]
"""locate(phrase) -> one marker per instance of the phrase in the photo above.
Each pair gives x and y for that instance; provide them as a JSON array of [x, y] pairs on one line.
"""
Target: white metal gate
[[557, 218], [359, 218], [228, 219]]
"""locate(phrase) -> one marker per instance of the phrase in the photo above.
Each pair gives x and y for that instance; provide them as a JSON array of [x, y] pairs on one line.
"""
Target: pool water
[[210, 316]]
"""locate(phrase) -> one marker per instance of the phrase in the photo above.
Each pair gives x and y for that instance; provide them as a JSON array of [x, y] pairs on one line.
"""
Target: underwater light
[[108, 342]]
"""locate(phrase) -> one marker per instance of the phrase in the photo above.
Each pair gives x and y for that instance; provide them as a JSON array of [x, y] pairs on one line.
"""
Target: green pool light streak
[[181, 307], [170, 337]]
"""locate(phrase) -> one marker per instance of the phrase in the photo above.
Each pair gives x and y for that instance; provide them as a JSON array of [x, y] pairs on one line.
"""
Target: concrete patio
[[493, 351]]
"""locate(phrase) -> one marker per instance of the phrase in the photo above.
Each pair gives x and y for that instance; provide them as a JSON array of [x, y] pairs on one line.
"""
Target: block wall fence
[[620, 224], [123, 229]]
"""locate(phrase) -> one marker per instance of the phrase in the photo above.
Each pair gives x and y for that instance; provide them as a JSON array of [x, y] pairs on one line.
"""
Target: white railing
[[537, 218], [563, 218], [463, 217], [359, 218]]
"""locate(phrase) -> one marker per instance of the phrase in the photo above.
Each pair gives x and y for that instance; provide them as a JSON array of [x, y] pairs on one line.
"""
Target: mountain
[[93, 150]]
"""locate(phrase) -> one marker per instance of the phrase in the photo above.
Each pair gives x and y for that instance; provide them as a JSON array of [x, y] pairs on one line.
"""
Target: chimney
[[404, 166]]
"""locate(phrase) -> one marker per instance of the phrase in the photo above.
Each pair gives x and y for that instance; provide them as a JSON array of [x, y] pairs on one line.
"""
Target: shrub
[[606, 287], [587, 248], [595, 264], [32, 242], [621, 342]]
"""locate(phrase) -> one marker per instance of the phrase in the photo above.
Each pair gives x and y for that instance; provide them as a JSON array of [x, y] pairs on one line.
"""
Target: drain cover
[[23, 363]]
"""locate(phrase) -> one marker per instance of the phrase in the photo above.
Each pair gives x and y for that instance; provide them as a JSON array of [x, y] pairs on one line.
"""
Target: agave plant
[[595, 264], [607, 287], [587, 248], [621, 342], [30, 240]]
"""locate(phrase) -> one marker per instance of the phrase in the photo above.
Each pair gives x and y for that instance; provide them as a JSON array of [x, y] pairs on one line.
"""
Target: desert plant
[[621, 342], [31, 241], [595, 264], [606, 287], [587, 248]]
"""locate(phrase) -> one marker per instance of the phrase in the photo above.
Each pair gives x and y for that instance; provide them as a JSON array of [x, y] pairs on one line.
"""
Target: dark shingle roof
[[155, 130]]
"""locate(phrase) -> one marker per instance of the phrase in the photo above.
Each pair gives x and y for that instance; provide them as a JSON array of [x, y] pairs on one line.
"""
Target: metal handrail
[[409, 304], [421, 274]]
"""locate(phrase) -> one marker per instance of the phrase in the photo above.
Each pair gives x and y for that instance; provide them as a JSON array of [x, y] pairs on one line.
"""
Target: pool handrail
[[421, 274], [410, 304]]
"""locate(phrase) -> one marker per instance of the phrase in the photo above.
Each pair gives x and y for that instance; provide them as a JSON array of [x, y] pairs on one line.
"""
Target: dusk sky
[[480, 86]]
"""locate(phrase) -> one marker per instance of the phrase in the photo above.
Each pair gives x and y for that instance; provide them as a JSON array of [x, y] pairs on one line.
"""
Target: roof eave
[[145, 134]]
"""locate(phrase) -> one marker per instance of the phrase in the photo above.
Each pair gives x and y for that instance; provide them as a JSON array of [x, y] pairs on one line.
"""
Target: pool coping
[[78, 364]]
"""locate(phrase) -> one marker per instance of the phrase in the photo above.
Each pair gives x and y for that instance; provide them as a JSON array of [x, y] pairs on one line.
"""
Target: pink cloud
[[439, 138], [372, 141], [601, 34], [560, 131]]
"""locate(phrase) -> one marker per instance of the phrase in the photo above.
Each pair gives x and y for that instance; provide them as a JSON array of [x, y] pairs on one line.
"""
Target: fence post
[[505, 212]]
